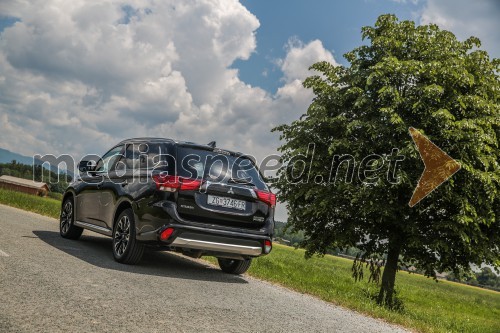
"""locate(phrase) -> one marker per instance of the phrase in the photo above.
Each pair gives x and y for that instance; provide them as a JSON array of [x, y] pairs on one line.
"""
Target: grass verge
[[43, 206], [428, 306]]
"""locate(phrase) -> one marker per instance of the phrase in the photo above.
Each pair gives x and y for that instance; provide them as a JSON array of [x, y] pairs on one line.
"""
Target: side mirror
[[85, 166]]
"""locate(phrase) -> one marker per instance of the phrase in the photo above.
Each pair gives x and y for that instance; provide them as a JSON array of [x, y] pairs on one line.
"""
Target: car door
[[116, 184], [91, 196], [87, 209]]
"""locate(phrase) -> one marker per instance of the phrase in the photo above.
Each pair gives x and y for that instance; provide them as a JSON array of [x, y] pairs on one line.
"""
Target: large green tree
[[403, 76]]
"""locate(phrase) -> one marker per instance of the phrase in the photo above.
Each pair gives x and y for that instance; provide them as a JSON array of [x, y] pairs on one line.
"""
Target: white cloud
[[300, 57], [76, 77], [467, 18]]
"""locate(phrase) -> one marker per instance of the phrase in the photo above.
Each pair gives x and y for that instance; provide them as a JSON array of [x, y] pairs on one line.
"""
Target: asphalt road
[[50, 284]]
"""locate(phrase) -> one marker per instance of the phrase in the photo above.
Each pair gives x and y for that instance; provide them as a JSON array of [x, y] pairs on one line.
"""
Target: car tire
[[233, 266], [126, 249], [67, 228]]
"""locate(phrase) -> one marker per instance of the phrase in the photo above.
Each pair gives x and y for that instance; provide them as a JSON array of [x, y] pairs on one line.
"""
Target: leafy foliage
[[485, 278], [284, 235], [37, 173], [406, 76]]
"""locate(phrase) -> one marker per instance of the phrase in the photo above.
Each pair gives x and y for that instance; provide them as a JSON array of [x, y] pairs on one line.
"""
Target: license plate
[[226, 202]]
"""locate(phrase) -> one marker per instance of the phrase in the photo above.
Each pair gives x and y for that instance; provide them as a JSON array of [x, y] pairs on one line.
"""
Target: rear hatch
[[221, 187]]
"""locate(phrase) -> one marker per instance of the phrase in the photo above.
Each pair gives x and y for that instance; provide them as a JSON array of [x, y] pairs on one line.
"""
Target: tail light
[[267, 197], [189, 184], [165, 234], [174, 183], [268, 246]]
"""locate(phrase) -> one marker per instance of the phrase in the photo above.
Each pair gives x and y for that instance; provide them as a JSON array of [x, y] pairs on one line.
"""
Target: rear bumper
[[243, 250], [207, 239], [198, 241]]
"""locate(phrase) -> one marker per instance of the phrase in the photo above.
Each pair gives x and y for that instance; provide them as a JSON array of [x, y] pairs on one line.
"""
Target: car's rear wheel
[[67, 228], [233, 266], [126, 249]]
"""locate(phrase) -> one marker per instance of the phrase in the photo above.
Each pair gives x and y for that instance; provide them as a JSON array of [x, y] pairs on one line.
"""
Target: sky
[[76, 77]]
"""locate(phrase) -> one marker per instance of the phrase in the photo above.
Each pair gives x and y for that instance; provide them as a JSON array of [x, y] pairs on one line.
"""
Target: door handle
[[99, 186], [124, 183]]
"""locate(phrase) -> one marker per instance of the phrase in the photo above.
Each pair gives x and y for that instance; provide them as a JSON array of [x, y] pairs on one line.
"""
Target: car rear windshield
[[218, 166]]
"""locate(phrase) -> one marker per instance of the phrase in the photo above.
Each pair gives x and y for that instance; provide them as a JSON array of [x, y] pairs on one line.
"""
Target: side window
[[107, 162], [130, 159], [151, 155], [141, 156]]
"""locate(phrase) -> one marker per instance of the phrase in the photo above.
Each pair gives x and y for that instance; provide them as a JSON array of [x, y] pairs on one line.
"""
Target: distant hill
[[7, 156]]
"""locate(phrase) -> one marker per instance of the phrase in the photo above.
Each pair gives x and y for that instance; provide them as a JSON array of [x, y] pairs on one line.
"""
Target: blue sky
[[336, 23], [7, 21]]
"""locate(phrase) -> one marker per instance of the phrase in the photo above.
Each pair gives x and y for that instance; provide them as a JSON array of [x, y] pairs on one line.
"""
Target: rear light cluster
[[174, 183], [267, 197], [268, 246]]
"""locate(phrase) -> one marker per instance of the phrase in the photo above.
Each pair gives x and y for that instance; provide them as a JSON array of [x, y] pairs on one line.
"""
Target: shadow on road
[[96, 250]]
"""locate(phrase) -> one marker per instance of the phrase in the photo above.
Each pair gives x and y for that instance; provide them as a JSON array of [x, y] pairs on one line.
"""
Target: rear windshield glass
[[218, 167]]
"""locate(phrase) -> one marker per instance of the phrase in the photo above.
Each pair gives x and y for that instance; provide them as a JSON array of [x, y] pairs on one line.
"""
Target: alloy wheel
[[66, 216], [121, 235]]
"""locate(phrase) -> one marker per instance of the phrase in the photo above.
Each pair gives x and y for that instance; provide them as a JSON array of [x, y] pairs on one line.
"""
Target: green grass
[[55, 195], [428, 306], [44, 206]]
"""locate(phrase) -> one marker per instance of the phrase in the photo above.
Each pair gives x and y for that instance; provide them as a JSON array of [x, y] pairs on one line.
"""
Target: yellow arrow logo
[[438, 167]]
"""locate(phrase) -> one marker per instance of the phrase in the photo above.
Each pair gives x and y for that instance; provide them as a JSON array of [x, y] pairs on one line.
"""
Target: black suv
[[191, 198]]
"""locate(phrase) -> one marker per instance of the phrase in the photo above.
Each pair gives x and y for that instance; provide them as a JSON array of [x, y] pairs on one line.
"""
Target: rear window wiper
[[240, 181]]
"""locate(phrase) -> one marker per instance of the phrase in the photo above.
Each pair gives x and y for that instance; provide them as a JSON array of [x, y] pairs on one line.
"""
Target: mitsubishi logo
[[230, 191]]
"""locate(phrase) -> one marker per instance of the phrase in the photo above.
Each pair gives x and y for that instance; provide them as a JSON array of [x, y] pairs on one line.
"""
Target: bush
[[55, 195]]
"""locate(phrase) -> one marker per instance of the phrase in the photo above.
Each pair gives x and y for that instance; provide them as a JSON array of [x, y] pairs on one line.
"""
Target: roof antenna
[[211, 144]]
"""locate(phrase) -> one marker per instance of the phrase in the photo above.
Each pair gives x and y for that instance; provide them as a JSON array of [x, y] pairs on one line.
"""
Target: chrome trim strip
[[94, 227], [218, 247]]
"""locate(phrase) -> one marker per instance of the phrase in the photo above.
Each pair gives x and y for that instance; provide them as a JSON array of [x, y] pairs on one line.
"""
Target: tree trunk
[[386, 294]]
